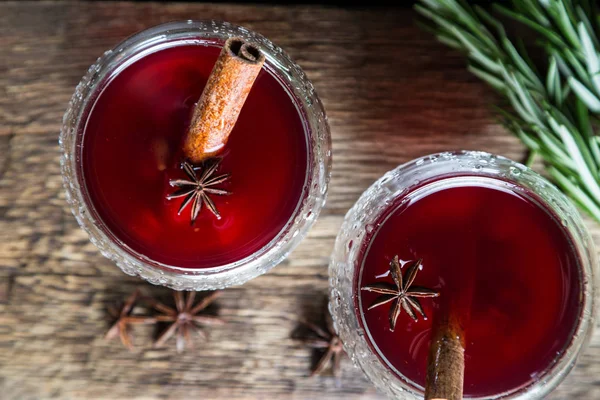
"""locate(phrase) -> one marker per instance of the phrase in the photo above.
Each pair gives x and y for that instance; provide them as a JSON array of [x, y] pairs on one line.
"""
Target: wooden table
[[392, 93]]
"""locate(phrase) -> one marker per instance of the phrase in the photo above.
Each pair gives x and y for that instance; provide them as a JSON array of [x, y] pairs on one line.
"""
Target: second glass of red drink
[[476, 245]]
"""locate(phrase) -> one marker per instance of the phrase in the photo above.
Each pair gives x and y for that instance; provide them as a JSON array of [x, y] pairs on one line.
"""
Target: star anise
[[197, 189], [328, 342], [184, 318], [401, 294], [121, 327]]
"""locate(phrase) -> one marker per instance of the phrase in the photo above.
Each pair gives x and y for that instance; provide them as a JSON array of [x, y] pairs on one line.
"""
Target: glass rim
[[284, 70], [398, 182]]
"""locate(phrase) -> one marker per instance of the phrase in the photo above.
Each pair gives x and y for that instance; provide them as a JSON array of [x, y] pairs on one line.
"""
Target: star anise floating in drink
[[122, 326], [199, 186], [326, 341], [401, 293], [185, 318]]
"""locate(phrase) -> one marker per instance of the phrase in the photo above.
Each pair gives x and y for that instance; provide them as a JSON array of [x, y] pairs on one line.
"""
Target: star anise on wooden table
[[401, 293], [122, 326], [197, 189], [185, 318], [326, 341]]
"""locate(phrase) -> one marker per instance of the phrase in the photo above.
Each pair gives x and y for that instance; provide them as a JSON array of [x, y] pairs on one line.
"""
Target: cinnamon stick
[[222, 100], [446, 363]]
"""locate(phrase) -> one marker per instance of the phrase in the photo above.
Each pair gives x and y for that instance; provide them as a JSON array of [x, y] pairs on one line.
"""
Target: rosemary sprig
[[552, 113]]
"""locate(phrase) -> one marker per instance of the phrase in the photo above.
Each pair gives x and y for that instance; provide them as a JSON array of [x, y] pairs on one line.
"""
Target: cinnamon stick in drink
[[222, 100], [446, 363], [446, 360]]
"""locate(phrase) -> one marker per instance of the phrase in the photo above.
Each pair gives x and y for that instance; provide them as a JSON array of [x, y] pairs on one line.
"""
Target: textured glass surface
[[375, 200], [200, 33]]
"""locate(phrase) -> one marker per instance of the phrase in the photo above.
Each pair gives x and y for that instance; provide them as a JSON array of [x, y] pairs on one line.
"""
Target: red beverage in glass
[[132, 148], [503, 261]]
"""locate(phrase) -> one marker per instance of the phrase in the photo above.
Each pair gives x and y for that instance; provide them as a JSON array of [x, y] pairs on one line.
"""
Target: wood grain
[[392, 94]]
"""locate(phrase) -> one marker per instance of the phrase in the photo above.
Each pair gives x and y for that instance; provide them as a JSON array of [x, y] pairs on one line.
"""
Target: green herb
[[553, 113]]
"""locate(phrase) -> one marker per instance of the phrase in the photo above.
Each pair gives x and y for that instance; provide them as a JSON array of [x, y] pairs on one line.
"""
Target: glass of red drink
[[121, 147], [499, 243]]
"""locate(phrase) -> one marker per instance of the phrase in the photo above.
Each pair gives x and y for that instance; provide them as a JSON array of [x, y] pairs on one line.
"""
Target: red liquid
[[131, 149], [501, 260]]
